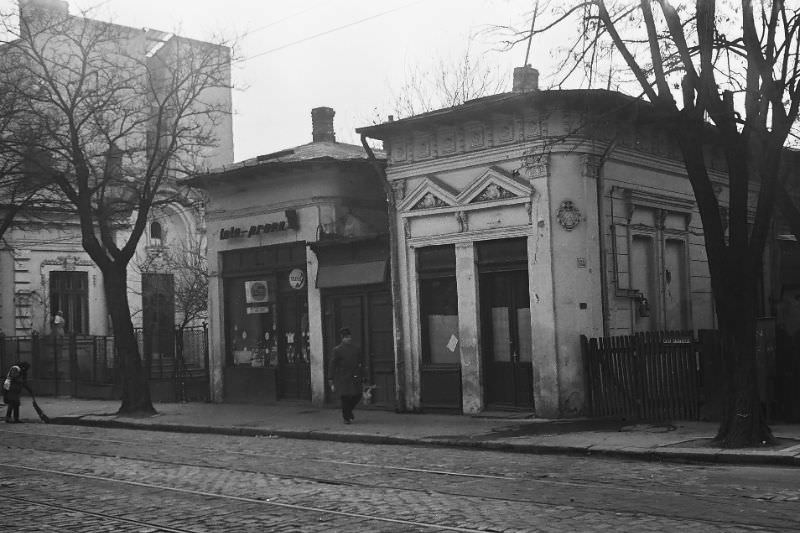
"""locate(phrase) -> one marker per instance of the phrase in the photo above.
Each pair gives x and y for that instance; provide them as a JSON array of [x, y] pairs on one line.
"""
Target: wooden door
[[368, 315], [506, 337]]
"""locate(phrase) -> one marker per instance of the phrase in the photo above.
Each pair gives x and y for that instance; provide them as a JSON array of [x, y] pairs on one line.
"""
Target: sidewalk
[[511, 432]]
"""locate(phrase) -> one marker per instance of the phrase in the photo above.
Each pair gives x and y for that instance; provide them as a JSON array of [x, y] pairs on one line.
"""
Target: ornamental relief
[[568, 215], [429, 201], [447, 140], [493, 192]]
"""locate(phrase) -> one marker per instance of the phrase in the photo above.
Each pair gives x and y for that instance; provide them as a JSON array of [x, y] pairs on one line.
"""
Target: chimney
[[322, 125], [526, 79]]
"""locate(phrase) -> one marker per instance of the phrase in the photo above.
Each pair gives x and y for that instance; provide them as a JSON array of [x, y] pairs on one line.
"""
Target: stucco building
[[43, 267], [526, 219], [297, 248]]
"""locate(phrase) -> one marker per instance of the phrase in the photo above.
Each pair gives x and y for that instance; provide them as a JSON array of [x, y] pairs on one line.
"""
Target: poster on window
[[256, 295]]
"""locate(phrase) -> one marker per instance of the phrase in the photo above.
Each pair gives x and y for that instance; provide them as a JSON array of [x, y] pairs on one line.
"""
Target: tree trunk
[[744, 422], [135, 386]]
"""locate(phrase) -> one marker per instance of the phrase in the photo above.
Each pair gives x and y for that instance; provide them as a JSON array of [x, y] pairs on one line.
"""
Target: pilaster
[[316, 346], [469, 328]]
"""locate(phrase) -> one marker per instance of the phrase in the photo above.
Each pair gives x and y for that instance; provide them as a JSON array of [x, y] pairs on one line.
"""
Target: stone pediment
[[430, 194], [493, 185]]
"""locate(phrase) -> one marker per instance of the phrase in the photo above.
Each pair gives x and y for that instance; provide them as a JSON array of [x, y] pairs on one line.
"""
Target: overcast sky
[[286, 67]]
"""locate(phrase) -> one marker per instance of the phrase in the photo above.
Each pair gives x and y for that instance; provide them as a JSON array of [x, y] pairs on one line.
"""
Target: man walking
[[345, 374]]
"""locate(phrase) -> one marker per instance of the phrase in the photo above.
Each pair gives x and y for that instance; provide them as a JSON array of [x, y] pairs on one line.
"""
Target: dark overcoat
[[12, 395], [345, 369]]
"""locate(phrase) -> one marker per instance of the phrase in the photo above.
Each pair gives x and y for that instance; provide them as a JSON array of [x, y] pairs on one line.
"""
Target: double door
[[506, 338], [368, 315]]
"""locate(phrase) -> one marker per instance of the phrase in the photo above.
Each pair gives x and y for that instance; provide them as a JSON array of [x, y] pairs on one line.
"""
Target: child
[[12, 389]]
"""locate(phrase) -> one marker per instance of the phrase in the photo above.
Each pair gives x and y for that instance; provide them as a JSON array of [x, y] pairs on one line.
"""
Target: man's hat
[[344, 332]]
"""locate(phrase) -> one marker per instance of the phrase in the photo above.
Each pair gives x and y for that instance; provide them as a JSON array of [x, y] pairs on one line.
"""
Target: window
[[155, 233], [69, 293], [438, 296], [659, 268]]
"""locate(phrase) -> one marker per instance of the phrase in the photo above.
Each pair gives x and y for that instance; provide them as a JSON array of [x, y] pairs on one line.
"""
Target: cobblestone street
[[89, 479]]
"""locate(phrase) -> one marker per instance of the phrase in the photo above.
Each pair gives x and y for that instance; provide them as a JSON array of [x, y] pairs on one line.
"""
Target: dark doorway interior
[[368, 314], [158, 315]]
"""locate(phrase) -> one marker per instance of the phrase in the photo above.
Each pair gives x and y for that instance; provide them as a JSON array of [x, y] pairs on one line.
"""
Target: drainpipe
[[601, 237], [394, 275]]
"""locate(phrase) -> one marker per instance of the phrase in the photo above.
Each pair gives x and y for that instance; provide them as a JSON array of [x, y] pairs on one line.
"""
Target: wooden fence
[[649, 376]]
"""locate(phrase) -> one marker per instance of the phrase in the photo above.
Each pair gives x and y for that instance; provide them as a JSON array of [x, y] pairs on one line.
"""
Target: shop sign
[[290, 222], [297, 278], [256, 295]]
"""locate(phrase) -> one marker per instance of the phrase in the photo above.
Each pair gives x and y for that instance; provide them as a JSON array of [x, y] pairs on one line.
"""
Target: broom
[[43, 417]]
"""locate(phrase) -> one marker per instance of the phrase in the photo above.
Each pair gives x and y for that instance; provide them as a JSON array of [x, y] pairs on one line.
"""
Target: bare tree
[[122, 114], [22, 191], [187, 262], [725, 76], [447, 83]]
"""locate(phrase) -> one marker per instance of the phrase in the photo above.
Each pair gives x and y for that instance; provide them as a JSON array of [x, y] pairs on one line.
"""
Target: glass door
[[506, 337]]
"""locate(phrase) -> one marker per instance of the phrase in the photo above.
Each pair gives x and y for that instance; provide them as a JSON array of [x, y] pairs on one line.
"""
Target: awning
[[330, 276]]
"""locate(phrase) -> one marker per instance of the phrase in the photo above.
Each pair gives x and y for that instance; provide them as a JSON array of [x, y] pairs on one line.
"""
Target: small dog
[[366, 393]]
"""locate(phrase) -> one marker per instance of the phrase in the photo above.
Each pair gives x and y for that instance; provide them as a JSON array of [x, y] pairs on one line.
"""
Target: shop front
[[266, 323], [352, 279], [297, 248]]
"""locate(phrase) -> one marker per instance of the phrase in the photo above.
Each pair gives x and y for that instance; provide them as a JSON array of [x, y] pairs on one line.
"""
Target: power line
[[332, 30], [287, 17]]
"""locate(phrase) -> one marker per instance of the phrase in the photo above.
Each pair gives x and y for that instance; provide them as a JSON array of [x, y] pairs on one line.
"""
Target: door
[[294, 362], [158, 316], [506, 337], [368, 315]]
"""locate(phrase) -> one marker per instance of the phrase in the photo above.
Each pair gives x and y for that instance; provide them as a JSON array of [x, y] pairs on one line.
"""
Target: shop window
[[438, 299], [251, 327]]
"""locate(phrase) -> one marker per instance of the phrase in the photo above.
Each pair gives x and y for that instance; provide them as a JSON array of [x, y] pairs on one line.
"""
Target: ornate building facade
[[525, 220]]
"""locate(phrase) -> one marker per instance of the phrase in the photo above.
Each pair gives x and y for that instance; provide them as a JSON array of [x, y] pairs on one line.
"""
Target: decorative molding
[[399, 152], [568, 215], [463, 221], [505, 130], [429, 201], [447, 139], [495, 184], [591, 165], [430, 194], [399, 190], [493, 191], [422, 145], [659, 201], [475, 134], [67, 262], [483, 234], [537, 163]]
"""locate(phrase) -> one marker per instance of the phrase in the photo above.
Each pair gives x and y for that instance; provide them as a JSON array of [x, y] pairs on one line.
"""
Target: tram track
[[206, 494], [355, 483], [102, 516], [425, 471]]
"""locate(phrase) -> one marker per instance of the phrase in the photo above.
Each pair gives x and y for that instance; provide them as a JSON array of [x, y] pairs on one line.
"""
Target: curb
[[643, 454]]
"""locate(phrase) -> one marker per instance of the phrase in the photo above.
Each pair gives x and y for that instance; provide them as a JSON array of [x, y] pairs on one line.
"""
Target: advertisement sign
[[297, 278], [256, 295]]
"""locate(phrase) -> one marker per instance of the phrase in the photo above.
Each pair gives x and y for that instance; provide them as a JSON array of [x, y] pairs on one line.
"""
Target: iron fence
[[86, 366]]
